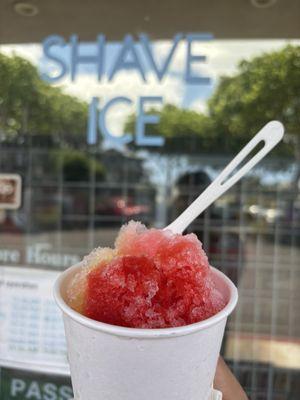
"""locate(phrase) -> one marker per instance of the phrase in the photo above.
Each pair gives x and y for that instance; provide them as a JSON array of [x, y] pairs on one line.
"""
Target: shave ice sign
[[134, 54]]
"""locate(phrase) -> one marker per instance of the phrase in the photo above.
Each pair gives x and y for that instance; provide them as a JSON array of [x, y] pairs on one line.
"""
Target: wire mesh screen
[[73, 201]]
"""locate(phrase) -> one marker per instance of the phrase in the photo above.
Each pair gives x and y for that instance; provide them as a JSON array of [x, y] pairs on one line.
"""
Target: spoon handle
[[270, 134]]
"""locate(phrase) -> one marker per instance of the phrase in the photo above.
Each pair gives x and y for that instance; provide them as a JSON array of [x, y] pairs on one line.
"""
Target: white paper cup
[[109, 362]]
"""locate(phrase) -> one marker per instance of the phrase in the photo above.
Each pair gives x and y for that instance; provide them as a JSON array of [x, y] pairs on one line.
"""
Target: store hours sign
[[137, 55]]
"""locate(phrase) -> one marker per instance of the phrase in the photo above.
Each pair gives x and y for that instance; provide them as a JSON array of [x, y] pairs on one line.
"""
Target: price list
[[31, 326]]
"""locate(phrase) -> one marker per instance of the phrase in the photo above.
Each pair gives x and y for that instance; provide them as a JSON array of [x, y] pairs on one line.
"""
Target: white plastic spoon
[[270, 134]]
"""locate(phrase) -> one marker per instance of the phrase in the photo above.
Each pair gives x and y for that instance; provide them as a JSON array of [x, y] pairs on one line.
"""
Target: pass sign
[[17, 384], [10, 191]]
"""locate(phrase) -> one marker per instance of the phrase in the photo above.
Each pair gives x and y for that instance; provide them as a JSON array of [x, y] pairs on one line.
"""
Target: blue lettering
[[127, 137], [191, 58], [127, 49], [92, 122], [160, 73], [97, 59], [54, 40], [143, 119]]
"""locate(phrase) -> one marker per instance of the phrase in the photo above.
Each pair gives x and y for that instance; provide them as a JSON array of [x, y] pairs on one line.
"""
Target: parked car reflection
[[114, 207]]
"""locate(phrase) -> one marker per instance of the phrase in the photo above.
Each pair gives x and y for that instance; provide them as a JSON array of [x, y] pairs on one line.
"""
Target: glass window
[[75, 127]]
